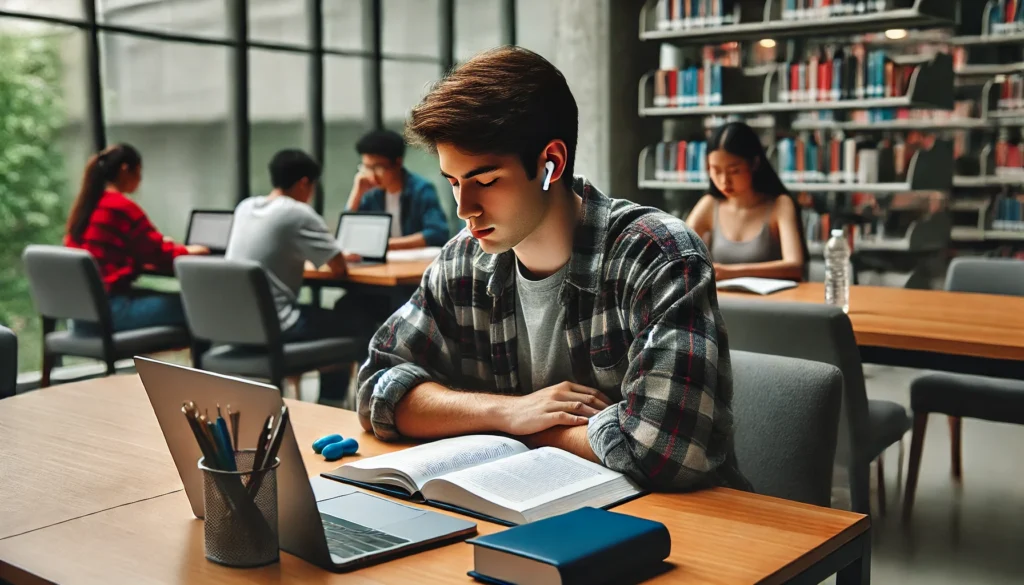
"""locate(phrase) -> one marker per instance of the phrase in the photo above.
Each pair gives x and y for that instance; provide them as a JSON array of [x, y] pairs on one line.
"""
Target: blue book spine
[[659, 161], [716, 84], [680, 88], [784, 153], [702, 156]]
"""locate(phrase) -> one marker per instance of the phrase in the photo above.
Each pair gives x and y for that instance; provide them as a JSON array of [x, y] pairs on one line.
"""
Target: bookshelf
[[930, 87], [758, 20]]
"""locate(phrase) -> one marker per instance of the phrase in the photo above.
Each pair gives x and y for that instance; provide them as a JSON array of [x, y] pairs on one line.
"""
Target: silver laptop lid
[[169, 386], [366, 234], [210, 228]]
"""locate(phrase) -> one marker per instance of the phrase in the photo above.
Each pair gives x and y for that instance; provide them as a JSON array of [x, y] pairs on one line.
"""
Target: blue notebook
[[588, 546]]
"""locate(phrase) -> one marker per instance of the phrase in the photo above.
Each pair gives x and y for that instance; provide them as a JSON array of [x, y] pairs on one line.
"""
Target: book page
[[761, 286], [423, 462], [528, 480]]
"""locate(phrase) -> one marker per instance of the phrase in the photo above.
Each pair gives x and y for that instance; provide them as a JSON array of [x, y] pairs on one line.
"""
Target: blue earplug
[[319, 444], [336, 451]]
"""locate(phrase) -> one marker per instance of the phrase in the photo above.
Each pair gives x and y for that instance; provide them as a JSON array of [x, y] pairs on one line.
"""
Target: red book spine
[[671, 77]]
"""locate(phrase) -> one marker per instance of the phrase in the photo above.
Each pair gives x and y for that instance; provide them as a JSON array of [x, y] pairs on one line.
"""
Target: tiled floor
[[973, 534], [969, 534]]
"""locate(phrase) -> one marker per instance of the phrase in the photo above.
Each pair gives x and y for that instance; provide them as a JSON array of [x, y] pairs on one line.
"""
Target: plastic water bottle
[[837, 271]]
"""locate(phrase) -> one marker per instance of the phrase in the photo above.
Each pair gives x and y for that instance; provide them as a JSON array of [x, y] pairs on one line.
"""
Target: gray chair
[[65, 284], [823, 333], [229, 305], [786, 420], [959, 395], [8, 362]]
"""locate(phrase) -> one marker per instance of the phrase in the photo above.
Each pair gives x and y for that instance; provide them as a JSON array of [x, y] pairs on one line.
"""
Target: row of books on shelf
[[681, 161], [1011, 92], [807, 159], [802, 159], [1008, 213], [828, 74], [818, 228], [821, 9], [833, 74], [1005, 16], [962, 110], [687, 14], [1008, 155]]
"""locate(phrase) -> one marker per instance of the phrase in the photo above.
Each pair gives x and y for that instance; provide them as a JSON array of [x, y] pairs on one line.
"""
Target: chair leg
[[296, 383], [916, 446], [899, 469], [49, 361], [955, 425], [880, 465]]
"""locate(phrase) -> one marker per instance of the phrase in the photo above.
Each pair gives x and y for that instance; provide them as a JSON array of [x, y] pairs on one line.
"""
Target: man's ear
[[754, 164], [557, 153]]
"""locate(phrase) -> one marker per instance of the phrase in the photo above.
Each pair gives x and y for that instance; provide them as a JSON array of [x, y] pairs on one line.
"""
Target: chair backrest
[[808, 331], [66, 284], [993, 276], [8, 362], [786, 421], [227, 301]]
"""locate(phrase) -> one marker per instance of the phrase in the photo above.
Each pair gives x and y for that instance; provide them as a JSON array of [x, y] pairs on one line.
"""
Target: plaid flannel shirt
[[642, 324]]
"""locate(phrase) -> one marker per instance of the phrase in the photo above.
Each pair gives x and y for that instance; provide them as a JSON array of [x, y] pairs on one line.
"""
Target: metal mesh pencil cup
[[240, 530]]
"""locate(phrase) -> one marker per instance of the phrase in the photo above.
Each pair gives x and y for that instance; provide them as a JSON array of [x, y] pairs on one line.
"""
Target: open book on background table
[[761, 286], [493, 478], [428, 253]]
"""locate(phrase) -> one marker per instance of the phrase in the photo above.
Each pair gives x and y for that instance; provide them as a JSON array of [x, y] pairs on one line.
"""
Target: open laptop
[[210, 228], [365, 234], [328, 523]]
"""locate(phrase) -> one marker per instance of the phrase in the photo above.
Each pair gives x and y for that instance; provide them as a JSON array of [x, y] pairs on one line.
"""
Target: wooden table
[[970, 333], [125, 531], [389, 274]]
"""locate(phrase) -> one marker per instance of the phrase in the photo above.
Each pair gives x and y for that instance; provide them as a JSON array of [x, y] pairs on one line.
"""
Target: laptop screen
[[209, 229], [364, 234]]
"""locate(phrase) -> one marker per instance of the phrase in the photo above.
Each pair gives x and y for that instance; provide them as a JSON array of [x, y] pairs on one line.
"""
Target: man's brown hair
[[507, 100]]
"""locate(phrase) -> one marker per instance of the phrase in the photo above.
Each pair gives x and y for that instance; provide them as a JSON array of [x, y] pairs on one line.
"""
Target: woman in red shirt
[[115, 230]]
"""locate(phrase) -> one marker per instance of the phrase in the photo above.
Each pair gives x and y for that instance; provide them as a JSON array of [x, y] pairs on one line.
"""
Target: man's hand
[[197, 250], [363, 182], [565, 404]]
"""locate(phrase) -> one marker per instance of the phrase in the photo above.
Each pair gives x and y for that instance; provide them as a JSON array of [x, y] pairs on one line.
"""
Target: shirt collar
[[587, 256]]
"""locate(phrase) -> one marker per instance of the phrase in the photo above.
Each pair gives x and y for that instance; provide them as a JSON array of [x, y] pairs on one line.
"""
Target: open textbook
[[761, 286], [494, 478]]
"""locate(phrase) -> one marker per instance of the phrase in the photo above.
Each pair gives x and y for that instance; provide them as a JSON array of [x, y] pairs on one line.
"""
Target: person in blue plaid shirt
[[558, 315]]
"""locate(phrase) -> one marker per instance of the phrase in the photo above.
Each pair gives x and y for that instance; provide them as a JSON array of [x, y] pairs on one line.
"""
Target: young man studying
[[282, 232], [558, 315], [384, 185]]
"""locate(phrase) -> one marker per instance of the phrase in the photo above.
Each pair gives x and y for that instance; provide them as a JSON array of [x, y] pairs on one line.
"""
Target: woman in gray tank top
[[748, 220]]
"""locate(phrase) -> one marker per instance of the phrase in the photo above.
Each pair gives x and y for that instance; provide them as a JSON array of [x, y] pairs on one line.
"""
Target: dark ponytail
[[102, 168]]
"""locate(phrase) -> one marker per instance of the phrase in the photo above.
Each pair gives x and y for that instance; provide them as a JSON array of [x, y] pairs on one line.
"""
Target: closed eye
[[493, 181]]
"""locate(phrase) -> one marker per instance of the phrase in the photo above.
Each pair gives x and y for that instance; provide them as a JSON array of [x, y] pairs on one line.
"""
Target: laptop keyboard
[[348, 539]]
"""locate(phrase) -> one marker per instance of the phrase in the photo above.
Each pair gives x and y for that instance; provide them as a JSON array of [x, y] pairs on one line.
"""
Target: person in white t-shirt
[[383, 185]]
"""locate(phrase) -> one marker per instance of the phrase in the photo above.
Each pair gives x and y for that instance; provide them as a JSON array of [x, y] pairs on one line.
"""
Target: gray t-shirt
[[542, 348], [281, 234]]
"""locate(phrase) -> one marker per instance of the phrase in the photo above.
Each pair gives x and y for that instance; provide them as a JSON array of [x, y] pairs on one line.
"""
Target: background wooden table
[[389, 274], [719, 536], [932, 329]]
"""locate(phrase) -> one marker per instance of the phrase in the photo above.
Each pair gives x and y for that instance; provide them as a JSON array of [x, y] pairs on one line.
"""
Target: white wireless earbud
[[549, 169]]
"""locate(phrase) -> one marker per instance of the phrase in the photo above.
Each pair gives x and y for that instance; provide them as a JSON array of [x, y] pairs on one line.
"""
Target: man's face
[[499, 204], [386, 172]]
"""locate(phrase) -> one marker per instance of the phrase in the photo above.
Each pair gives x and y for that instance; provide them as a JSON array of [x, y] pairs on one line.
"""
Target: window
[[278, 109], [279, 21], [477, 27], [58, 8], [44, 143], [346, 118], [197, 18], [170, 100], [411, 28], [343, 25]]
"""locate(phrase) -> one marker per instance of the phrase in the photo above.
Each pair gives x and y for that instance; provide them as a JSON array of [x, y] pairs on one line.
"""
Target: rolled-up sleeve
[[667, 432], [413, 346]]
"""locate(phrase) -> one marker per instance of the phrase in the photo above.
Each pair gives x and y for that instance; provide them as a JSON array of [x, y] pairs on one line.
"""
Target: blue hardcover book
[[586, 546]]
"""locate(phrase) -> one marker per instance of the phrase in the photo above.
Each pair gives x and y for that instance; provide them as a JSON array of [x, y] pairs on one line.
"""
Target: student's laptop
[[210, 228], [327, 523], [365, 234]]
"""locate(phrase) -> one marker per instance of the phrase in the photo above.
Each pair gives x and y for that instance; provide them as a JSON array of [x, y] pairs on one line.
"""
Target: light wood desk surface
[[952, 323], [389, 274], [719, 536]]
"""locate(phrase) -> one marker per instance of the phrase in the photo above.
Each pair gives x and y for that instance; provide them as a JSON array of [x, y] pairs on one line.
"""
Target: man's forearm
[[432, 411], [417, 240], [571, 439]]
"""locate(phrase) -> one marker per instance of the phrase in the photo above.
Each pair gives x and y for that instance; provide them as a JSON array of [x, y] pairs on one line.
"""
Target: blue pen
[[223, 438]]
